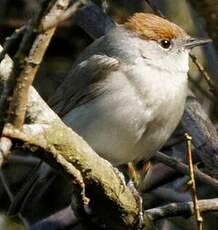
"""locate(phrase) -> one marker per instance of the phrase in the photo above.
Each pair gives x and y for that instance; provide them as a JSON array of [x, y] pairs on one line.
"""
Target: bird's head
[[166, 45]]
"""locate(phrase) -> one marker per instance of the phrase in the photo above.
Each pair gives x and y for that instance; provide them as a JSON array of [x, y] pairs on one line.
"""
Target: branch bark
[[196, 122], [182, 209], [183, 168]]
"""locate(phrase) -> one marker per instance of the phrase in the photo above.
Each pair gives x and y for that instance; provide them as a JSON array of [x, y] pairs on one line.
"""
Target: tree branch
[[183, 168], [205, 138], [192, 184], [182, 209]]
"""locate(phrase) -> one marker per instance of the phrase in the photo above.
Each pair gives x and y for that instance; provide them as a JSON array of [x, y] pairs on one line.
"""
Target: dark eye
[[166, 44]]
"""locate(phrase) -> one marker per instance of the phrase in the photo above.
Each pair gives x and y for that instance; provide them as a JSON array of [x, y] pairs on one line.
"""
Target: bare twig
[[174, 140], [183, 168], [199, 219], [204, 92], [182, 209], [60, 17], [204, 73]]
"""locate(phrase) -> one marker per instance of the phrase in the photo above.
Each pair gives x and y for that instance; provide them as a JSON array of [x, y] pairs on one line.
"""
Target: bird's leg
[[134, 183], [132, 176], [138, 199]]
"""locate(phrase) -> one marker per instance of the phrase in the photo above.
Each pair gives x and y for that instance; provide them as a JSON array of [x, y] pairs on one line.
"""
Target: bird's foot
[[138, 199]]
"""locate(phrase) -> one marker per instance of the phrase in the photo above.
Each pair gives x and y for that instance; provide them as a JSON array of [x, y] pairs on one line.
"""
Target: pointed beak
[[193, 42]]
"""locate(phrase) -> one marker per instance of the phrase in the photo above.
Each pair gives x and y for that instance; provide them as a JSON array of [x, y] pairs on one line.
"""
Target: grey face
[[170, 55]]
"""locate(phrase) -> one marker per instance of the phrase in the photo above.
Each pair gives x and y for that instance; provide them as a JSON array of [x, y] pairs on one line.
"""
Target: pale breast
[[164, 99]]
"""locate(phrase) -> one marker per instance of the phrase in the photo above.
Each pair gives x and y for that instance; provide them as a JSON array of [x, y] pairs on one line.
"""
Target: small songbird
[[126, 93]]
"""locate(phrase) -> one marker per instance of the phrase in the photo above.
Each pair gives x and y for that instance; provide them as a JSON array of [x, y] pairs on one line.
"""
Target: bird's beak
[[193, 42]]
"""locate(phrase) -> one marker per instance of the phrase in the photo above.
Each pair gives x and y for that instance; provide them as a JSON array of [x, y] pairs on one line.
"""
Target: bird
[[126, 92]]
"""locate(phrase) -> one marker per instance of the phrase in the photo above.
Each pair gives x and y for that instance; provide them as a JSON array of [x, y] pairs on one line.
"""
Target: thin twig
[[205, 93], [60, 17], [175, 140], [204, 73], [183, 168], [182, 209], [199, 219]]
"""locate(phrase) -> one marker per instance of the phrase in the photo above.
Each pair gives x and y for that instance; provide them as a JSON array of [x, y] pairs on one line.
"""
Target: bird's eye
[[166, 44]]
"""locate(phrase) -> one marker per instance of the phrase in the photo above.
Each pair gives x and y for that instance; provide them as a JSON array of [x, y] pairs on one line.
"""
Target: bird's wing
[[82, 84]]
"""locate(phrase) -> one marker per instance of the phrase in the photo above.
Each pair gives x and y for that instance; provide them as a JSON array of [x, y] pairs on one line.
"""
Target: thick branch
[[205, 138]]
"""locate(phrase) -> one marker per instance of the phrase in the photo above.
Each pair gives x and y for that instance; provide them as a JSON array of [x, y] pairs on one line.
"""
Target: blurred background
[[68, 42]]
